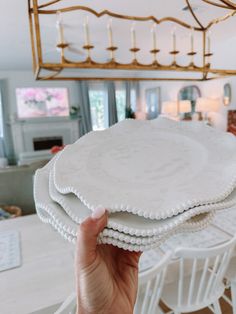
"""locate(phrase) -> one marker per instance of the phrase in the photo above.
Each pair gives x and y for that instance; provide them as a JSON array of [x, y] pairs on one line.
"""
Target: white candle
[[110, 35], [192, 40], [174, 38], [154, 39], [209, 42], [86, 30], [60, 27], [133, 36]]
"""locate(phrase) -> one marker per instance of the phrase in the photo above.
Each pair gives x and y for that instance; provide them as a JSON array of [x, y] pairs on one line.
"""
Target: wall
[[211, 89], [169, 91], [26, 79], [10, 80]]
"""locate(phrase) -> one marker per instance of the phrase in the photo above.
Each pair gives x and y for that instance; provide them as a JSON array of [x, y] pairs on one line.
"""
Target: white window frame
[[100, 87], [1, 117]]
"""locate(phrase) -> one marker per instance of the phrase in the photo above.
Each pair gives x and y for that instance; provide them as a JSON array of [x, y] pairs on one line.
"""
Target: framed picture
[[153, 102], [42, 102], [231, 127]]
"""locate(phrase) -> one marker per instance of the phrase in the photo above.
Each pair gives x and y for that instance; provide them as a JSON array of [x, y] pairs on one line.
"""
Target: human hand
[[107, 276]]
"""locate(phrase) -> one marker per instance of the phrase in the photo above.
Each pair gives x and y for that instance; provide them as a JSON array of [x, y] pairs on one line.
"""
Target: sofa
[[16, 186]]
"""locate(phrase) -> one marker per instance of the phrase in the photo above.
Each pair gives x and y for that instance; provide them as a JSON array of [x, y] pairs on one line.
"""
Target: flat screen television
[[35, 102]]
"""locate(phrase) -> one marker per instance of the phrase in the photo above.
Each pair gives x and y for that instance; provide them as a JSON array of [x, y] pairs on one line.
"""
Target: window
[[42, 102], [120, 100], [99, 104], [133, 99], [1, 118]]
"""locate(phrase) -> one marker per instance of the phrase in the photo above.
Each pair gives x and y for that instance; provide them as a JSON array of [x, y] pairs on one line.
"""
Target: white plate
[[52, 213], [155, 169], [129, 223]]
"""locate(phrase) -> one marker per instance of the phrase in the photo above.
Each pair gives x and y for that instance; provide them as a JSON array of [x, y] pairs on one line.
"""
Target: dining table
[[222, 228], [45, 275]]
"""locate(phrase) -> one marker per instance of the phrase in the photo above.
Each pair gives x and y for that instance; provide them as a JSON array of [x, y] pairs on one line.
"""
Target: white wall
[[9, 81], [169, 91], [211, 89], [26, 79]]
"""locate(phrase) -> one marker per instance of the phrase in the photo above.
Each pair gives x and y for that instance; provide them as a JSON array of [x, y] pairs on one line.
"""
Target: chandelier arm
[[226, 4], [48, 4], [194, 15], [230, 4], [121, 16], [32, 39], [221, 19], [216, 4], [88, 78], [134, 65], [51, 76], [37, 32]]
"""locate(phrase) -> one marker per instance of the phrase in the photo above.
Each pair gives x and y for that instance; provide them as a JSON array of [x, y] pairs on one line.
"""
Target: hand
[[107, 277]]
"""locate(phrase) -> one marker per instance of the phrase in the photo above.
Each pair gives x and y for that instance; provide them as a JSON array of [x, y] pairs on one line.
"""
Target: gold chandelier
[[66, 68]]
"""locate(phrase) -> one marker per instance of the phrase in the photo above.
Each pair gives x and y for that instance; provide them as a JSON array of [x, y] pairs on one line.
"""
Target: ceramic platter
[[52, 213], [153, 169], [129, 223]]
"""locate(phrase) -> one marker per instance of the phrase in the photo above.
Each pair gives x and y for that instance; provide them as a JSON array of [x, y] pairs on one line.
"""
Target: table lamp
[[174, 108], [184, 106], [206, 105], [169, 108]]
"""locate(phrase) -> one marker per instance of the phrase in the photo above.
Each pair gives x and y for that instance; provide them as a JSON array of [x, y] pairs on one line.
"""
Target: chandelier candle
[[154, 39], [110, 35], [209, 43], [86, 30], [59, 25], [174, 38], [208, 47], [133, 36], [192, 39]]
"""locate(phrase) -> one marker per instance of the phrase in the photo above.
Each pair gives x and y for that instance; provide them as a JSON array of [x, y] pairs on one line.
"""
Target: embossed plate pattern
[[155, 169]]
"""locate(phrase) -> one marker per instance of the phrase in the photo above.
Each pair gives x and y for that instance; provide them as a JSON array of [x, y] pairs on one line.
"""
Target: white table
[[46, 276], [222, 229]]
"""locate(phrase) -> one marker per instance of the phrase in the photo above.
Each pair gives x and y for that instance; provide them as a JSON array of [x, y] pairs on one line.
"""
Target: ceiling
[[15, 52]]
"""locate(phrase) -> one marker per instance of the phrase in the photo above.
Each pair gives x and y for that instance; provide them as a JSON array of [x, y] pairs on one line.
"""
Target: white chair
[[150, 287], [200, 279], [231, 279], [68, 306]]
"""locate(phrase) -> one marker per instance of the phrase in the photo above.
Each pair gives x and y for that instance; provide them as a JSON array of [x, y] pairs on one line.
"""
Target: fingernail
[[98, 212]]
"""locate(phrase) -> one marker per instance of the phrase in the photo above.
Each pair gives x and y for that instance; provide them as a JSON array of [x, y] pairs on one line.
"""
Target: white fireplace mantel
[[24, 132]]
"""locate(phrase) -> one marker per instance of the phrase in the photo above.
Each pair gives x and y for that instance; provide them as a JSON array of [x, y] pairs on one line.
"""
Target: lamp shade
[[175, 107], [207, 105], [169, 108], [185, 106]]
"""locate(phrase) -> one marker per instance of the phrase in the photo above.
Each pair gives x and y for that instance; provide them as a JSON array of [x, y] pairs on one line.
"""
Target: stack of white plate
[[156, 178]]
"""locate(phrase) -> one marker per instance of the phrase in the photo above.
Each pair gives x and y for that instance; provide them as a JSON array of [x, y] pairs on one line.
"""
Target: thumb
[[87, 237]]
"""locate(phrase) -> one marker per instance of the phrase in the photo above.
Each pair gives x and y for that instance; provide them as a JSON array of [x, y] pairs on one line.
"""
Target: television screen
[[42, 102]]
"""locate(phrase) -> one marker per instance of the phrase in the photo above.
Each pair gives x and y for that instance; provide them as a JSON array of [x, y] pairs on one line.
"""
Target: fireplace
[[34, 139], [42, 143]]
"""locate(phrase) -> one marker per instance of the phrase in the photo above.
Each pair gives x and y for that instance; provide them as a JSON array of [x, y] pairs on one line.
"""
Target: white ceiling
[[15, 51]]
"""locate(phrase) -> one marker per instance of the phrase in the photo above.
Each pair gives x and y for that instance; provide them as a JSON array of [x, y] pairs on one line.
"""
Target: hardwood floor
[[225, 307]]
